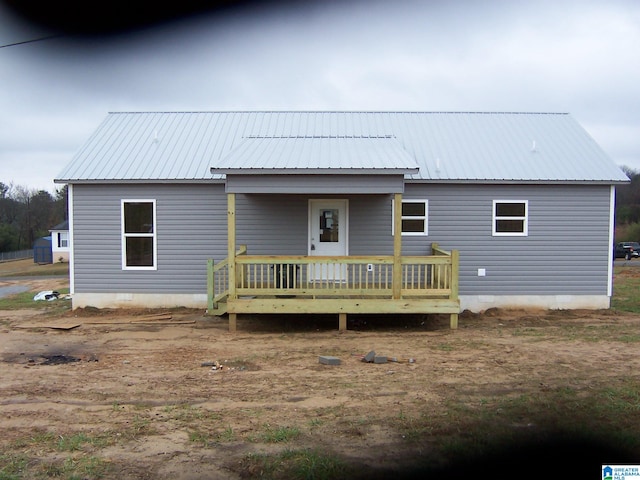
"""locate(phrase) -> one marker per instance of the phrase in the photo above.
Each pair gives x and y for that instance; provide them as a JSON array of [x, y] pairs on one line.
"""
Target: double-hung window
[[139, 235], [414, 217], [511, 218]]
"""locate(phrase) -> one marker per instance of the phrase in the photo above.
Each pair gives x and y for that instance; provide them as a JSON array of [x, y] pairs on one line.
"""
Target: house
[[42, 250], [60, 242], [341, 212]]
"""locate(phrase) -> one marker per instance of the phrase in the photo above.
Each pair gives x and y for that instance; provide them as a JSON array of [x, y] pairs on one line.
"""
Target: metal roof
[[444, 146], [318, 154]]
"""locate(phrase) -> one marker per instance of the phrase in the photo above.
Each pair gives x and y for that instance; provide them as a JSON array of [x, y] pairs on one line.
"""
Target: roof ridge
[[404, 112]]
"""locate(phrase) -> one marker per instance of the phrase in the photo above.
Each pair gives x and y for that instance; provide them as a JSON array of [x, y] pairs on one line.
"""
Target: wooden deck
[[258, 284]]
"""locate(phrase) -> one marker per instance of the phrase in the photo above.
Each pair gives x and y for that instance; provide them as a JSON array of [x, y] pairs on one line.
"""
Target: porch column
[[397, 246], [231, 253]]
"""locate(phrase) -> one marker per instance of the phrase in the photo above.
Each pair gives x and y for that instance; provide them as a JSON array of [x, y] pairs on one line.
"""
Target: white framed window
[[139, 250], [510, 218], [415, 215], [63, 239]]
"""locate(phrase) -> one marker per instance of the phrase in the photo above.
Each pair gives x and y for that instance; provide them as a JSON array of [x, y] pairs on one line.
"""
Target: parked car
[[627, 250]]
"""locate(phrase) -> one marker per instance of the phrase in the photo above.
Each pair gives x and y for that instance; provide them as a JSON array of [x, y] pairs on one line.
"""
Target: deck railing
[[431, 276]]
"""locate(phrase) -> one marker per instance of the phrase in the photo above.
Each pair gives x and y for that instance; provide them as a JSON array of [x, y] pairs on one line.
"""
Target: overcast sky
[[581, 57]]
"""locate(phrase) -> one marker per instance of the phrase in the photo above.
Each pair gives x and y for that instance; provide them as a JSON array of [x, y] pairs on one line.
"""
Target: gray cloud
[[578, 57]]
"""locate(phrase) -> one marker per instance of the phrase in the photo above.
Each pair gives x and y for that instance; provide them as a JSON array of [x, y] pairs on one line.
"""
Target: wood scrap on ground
[[55, 326]]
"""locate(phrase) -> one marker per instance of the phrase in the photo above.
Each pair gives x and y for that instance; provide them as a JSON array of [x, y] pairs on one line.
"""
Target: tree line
[[28, 214], [628, 208]]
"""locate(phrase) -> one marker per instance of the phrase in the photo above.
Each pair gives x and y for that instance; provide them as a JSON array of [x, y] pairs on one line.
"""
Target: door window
[[329, 231]]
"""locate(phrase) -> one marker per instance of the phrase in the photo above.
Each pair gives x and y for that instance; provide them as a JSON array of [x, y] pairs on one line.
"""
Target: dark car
[[627, 250]]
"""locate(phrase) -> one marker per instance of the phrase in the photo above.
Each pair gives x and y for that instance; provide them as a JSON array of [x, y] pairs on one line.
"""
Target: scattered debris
[[402, 360], [62, 325], [371, 357], [215, 365], [47, 295], [328, 360], [152, 317]]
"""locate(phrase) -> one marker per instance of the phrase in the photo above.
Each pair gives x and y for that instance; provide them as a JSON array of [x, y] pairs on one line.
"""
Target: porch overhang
[[315, 184], [317, 164]]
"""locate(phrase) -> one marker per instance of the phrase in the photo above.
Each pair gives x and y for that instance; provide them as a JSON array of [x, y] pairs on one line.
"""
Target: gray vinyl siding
[[315, 184], [191, 225], [370, 225], [272, 224], [566, 251]]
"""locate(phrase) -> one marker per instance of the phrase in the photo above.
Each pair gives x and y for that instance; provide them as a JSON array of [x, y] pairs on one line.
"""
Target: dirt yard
[[173, 395]]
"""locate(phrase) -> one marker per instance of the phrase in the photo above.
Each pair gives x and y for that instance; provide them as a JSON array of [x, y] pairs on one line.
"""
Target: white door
[[328, 236]]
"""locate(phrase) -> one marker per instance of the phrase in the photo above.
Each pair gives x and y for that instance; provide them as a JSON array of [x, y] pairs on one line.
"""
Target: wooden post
[[342, 322], [397, 246], [231, 253], [210, 286], [455, 269]]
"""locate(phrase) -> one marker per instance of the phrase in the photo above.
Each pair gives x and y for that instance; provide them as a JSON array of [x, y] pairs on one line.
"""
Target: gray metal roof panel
[[315, 154], [446, 146]]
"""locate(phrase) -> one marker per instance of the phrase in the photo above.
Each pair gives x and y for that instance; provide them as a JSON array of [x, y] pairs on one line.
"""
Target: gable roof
[[61, 226], [425, 146]]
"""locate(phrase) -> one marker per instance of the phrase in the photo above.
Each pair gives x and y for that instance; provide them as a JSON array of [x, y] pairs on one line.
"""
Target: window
[[63, 239], [510, 217], [414, 217], [138, 234]]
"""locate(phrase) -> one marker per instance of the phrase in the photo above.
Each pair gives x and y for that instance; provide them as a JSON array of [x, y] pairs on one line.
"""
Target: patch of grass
[[279, 434], [593, 333], [411, 428], [566, 416], [227, 435], [211, 438], [315, 422], [139, 426], [530, 332], [28, 268], [625, 291], [24, 300], [76, 441], [444, 347], [198, 436], [297, 464], [13, 466], [45, 440], [185, 413], [77, 468]]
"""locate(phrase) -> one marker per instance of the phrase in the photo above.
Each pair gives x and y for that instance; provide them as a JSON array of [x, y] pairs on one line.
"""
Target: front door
[[328, 236]]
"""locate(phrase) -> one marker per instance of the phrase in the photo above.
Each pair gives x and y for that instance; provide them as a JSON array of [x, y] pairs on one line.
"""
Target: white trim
[[416, 217], [525, 219], [612, 218], [123, 236], [72, 270], [342, 202], [320, 271]]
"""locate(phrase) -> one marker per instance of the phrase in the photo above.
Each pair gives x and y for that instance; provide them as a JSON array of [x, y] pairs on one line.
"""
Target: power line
[[30, 41]]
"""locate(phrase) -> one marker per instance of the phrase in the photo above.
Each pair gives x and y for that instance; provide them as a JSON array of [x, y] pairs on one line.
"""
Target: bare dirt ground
[[138, 393]]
